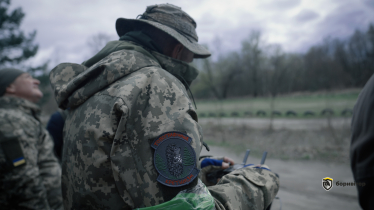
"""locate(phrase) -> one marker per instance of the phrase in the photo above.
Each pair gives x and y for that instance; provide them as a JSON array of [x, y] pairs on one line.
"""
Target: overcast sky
[[64, 26]]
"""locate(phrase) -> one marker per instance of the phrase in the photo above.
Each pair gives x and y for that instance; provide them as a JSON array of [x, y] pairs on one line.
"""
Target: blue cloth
[[207, 162], [263, 168], [248, 165], [257, 167], [55, 127]]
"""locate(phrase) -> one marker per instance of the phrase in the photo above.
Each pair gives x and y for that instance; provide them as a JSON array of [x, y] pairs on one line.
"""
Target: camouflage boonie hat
[[170, 19]]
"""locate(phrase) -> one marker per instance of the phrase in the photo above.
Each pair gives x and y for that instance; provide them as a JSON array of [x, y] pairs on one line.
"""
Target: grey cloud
[[68, 27], [230, 40], [206, 20], [369, 3], [306, 15], [343, 23], [280, 4], [340, 23]]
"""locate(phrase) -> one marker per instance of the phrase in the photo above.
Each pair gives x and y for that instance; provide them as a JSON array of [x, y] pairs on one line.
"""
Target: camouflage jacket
[[30, 176], [119, 101]]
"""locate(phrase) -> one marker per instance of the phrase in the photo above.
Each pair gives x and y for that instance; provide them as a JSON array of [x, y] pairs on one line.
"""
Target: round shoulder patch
[[174, 159]]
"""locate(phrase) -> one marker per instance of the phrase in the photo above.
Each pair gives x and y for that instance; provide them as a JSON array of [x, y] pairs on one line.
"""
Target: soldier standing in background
[[362, 144], [55, 127], [131, 137], [30, 176]]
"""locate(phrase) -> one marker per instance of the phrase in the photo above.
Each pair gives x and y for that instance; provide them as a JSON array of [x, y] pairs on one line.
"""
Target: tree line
[[257, 69], [17, 47], [260, 69]]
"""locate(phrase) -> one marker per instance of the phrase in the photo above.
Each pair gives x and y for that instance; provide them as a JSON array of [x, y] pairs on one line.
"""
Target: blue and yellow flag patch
[[19, 161], [13, 152]]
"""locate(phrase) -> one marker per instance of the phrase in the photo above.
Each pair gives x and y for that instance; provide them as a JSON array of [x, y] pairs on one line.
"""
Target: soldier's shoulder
[[14, 119], [10, 122], [159, 75], [11, 114], [130, 59]]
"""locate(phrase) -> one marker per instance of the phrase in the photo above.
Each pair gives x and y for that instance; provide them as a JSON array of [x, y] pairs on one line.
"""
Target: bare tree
[[229, 68], [219, 75], [255, 71], [277, 71], [210, 78], [277, 77], [252, 58], [361, 52]]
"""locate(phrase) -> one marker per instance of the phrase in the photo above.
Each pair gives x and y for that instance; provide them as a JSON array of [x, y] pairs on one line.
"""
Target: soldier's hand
[[212, 164], [227, 162], [223, 162]]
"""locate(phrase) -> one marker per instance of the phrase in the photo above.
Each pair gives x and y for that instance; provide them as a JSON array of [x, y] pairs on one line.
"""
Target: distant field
[[337, 101]]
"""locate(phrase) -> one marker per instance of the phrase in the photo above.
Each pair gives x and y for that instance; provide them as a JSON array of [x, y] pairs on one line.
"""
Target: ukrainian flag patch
[[13, 152], [19, 161]]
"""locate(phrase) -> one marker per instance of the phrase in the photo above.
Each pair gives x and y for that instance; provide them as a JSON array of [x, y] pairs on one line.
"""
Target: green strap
[[201, 200]]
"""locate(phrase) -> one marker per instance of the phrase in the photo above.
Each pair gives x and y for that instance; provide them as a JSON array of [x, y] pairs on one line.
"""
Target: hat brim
[[124, 25]]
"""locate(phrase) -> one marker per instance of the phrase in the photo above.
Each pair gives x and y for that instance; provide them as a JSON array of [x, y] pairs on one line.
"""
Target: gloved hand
[[212, 164]]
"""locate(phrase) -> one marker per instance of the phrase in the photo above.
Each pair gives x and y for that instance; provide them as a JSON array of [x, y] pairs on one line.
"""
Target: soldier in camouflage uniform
[[131, 137], [30, 176]]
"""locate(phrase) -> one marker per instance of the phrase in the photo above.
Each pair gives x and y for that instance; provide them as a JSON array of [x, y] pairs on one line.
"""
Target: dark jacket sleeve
[[362, 145], [55, 128]]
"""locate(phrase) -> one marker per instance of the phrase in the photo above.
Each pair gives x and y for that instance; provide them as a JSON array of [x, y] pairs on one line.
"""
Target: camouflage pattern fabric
[[208, 169], [245, 188], [35, 184], [117, 107]]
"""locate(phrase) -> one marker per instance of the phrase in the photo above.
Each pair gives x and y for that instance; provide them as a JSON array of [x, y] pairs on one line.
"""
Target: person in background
[[30, 175], [55, 127], [362, 144]]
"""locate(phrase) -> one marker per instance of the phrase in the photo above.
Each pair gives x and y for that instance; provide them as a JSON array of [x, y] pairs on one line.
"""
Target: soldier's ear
[[11, 89]]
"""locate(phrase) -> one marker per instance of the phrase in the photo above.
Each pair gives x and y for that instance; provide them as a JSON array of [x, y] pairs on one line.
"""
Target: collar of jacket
[[176, 67], [10, 102], [141, 38], [73, 83]]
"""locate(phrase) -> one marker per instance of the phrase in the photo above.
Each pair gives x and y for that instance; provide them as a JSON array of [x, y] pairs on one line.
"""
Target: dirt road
[[301, 182]]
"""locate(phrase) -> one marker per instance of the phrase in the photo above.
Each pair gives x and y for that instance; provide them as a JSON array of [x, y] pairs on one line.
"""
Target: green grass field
[[299, 103]]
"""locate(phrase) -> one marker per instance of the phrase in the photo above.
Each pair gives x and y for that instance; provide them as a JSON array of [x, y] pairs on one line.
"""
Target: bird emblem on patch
[[174, 159]]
